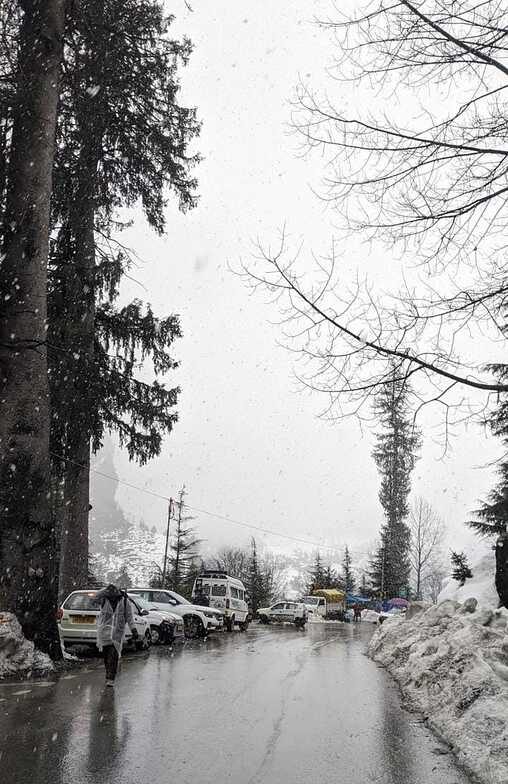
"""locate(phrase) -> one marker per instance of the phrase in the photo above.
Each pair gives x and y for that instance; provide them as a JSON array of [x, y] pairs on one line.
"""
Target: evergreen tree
[[122, 139], [395, 455], [184, 561], [348, 579], [493, 514], [317, 576], [256, 587], [461, 570], [123, 580]]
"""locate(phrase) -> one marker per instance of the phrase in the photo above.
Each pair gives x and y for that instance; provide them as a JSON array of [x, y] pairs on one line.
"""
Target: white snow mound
[[481, 585], [18, 656], [451, 662]]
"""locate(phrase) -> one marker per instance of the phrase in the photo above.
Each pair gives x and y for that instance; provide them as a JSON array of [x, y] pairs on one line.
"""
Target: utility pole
[[170, 513]]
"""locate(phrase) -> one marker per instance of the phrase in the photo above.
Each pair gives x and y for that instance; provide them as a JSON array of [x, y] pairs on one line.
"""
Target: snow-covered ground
[[18, 656], [451, 661], [481, 586]]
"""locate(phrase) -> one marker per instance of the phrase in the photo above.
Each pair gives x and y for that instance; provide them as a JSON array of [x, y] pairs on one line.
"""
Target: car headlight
[[166, 622]]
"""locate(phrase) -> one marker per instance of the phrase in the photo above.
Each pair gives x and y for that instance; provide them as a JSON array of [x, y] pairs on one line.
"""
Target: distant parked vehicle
[[77, 621], [225, 593], [292, 612], [329, 603], [165, 627], [198, 620]]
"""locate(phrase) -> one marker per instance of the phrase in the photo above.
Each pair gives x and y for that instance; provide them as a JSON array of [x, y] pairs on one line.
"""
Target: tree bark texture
[[27, 534], [78, 331], [502, 568]]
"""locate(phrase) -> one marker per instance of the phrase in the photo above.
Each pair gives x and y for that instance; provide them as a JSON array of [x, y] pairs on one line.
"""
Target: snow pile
[[481, 585], [18, 656], [371, 616], [451, 662], [314, 618]]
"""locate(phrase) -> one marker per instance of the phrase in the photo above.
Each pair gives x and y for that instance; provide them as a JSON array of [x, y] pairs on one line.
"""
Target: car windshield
[[218, 590], [179, 599], [82, 601], [137, 600]]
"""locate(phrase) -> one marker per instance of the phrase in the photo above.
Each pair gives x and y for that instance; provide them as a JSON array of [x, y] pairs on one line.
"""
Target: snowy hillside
[[137, 550]]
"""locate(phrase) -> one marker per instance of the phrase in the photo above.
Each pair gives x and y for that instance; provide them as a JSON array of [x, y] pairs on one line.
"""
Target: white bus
[[225, 593]]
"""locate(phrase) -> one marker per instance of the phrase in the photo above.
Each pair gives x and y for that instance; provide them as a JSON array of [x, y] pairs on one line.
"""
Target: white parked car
[[77, 621], [225, 593], [289, 612], [198, 620], [165, 627]]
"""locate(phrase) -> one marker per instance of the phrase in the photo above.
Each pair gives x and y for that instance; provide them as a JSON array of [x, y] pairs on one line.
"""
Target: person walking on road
[[357, 610], [116, 612]]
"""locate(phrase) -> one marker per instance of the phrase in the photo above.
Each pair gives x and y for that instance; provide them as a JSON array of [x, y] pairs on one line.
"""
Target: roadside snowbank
[[451, 662], [18, 656], [481, 586]]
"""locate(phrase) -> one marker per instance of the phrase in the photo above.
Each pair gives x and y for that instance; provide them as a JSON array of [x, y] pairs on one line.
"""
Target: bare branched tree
[[435, 579], [430, 165], [233, 560], [419, 162], [427, 533]]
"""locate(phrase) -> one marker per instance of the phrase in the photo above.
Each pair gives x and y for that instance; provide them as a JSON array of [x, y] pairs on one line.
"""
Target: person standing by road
[[116, 612], [357, 610]]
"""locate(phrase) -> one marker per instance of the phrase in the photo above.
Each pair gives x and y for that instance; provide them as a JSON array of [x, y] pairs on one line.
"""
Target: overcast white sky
[[248, 444]]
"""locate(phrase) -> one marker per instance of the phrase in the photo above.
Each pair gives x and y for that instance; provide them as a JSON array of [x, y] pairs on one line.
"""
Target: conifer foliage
[[123, 139], [348, 578], [184, 561], [461, 569], [492, 517], [395, 455]]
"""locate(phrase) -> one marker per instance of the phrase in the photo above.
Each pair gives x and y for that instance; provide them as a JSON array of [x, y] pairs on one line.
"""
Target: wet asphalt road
[[272, 706]]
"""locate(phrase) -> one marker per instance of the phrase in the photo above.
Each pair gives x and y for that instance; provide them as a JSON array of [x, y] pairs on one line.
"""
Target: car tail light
[[59, 614], [227, 604]]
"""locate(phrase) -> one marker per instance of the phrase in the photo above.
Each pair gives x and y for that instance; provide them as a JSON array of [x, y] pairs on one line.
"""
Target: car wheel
[[263, 619], [244, 626], [144, 644], [193, 627], [155, 635]]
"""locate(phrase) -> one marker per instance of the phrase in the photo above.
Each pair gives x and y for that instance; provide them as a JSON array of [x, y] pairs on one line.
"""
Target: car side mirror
[[145, 612]]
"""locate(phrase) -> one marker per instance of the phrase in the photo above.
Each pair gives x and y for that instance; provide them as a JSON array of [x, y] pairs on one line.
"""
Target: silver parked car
[[77, 621]]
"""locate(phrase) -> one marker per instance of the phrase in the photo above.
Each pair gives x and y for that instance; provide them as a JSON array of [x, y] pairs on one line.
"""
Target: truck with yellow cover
[[328, 603]]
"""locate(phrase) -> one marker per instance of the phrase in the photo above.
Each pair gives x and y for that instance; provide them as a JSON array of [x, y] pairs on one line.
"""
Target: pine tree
[[395, 455], [123, 138], [184, 561], [123, 580], [347, 572], [317, 576], [256, 587], [461, 570], [493, 514]]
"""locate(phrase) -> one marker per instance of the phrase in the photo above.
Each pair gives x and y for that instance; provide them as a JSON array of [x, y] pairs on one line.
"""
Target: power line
[[232, 520]]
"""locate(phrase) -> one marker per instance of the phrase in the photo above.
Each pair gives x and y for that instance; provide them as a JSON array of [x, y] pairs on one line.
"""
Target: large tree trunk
[[78, 335], [74, 536], [502, 568], [27, 539]]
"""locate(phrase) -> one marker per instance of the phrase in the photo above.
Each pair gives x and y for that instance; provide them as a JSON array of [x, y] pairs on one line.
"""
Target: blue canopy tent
[[352, 598]]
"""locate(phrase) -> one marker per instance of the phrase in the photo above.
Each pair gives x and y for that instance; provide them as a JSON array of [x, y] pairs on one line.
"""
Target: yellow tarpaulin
[[332, 595]]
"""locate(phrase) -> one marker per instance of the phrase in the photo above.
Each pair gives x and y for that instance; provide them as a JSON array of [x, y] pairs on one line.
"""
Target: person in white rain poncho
[[116, 613]]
